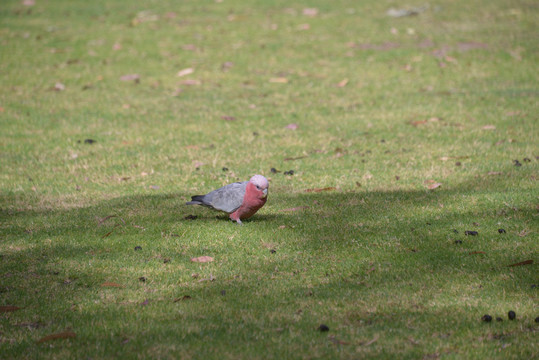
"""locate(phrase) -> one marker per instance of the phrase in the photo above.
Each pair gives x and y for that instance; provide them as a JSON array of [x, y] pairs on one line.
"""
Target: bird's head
[[261, 184]]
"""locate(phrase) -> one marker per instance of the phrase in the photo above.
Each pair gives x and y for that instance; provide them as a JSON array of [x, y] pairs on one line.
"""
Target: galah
[[240, 200]]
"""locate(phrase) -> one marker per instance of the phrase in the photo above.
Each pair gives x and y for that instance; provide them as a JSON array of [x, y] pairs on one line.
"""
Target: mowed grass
[[354, 239]]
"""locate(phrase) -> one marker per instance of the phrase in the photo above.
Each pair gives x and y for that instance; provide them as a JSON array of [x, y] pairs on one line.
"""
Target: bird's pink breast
[[253, 200]]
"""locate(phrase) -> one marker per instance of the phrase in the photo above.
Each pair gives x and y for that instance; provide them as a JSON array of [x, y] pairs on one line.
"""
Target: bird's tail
[[196, 200]]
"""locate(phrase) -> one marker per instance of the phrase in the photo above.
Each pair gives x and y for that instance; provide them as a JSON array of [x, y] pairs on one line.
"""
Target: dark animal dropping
[[142, 279], [89, 141], [225, 169], [289, 172], [486, 318], [501, 231], [273, 251], [511, 315], [323, 328], [138, 248], [471, 233]]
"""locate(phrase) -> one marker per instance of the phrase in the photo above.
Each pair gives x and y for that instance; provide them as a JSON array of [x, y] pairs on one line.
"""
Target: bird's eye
[[258, 187]]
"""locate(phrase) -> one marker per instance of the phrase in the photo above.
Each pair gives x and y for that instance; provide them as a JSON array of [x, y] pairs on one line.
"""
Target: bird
[[240, 200]]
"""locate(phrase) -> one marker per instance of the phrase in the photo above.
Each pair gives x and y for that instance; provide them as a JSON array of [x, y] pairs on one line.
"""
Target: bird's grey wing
[[228, 198]]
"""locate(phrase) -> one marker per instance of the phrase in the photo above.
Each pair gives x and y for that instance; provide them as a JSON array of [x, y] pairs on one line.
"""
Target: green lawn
[[402, 133]]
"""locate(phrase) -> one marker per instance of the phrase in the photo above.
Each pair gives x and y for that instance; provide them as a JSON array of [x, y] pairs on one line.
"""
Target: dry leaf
[[102, 220], [61, 335], [202, 259], [185, 297], [279, 80], [418, 122], [189, 47], [211, 278], [523, 233], [310, 11], [185, 72], [489, 127], [28, 2], [191, 82], [434, 186], [110, 232], [31, 325], [59, 87], [227, 65], [370, 342], [494, 173], [228, 118], [527, 262], [111, 284], [292, 126], [321, 189], [130, 77], [336, 341], [8, 308], [294, 158], [342, 83]]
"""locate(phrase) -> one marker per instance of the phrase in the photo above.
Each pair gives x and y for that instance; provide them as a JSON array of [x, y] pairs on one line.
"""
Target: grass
[[448, 96]]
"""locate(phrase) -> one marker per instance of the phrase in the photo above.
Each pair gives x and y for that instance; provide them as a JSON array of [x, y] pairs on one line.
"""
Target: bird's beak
[[265, 192]]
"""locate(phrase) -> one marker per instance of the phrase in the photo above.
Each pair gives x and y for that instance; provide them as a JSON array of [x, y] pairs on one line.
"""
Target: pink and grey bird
[[240, 200]]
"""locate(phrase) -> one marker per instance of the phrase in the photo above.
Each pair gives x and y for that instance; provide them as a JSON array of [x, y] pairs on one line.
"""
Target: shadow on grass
[[401, 221], [361, 260]]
